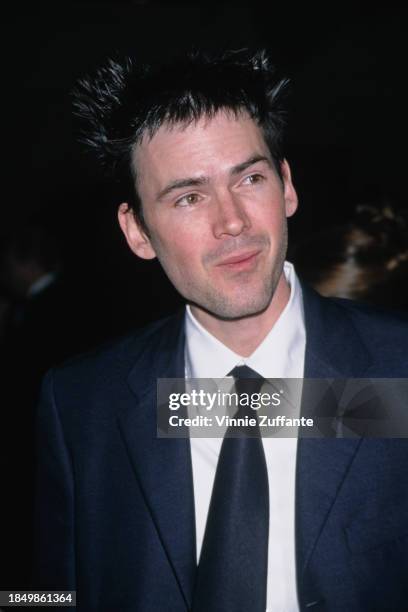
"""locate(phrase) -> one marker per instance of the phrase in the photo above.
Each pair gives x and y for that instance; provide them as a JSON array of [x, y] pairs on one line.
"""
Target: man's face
[[216, 213]]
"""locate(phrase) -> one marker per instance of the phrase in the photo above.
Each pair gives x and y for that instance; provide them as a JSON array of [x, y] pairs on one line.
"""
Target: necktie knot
[[247, 382], [244, 372]]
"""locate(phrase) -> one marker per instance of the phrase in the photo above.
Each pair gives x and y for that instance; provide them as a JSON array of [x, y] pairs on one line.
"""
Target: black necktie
[[232, 571]]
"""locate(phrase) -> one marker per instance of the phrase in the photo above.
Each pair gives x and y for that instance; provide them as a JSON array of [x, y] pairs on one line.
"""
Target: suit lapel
[[333, 350], [162, 466]]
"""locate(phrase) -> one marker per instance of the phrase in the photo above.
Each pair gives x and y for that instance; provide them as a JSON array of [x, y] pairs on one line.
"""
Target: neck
[[244, 335]]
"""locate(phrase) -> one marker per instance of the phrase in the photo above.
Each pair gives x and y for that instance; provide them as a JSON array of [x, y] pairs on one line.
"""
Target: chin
[[229, 310]]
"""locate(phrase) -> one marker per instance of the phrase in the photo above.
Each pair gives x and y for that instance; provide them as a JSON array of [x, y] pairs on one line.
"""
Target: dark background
[[346, 145], [346, 140]]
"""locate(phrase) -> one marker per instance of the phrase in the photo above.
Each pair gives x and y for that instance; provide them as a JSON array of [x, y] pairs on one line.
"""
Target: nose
[[230, 217]]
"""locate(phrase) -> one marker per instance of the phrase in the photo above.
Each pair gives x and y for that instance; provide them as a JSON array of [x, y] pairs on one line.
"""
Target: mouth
[[241, 261]]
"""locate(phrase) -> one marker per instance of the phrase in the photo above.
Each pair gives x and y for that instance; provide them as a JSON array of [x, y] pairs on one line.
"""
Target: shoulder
[[356, 338], [367, 319], [374, 323], [115, 359], [381, 334]]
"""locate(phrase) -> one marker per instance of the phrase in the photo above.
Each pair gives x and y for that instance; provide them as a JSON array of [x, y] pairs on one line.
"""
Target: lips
[[246, 257]]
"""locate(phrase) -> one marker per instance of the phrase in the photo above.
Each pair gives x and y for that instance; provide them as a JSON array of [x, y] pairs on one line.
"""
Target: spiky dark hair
[[124, 102]]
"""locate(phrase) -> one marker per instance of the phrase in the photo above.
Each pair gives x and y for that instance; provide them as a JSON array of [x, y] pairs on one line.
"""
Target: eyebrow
[[254, 159], [203, 180], [181, 184]]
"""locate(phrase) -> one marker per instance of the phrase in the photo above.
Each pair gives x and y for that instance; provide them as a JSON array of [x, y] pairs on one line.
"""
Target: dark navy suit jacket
[[115, 511]]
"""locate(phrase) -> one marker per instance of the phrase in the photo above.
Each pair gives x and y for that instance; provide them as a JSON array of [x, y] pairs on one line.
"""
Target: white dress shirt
[[280, 355]]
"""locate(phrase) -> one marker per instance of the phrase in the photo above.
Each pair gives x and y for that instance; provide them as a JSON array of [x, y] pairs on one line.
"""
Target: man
[[124, 517]]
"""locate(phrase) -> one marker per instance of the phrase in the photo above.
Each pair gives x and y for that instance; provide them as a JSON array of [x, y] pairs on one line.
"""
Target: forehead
[[207, 145]]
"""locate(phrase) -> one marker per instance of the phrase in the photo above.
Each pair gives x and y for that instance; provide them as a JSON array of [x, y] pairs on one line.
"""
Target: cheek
[[179, 253], [268, 209], [272, 220]]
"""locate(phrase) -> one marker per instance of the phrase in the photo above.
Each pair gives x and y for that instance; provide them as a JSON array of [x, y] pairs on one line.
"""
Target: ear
[[289, 192], [134, 234]]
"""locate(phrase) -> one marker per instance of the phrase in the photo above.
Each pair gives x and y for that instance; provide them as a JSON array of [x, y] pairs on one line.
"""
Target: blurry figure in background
[[365, 259], [30, 261], [49, 319], [47, 322], [29, 278], [30, 275]]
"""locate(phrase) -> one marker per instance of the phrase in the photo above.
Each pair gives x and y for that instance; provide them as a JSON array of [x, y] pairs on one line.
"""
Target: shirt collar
[[280, 354]]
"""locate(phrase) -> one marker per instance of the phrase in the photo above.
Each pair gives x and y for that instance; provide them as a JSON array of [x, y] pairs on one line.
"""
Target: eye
[[188, 200], [252, 179]]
